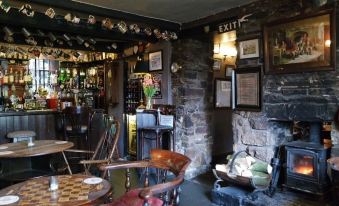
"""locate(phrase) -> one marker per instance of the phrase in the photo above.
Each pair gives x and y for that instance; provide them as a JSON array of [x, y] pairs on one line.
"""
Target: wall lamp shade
[[141, 67]]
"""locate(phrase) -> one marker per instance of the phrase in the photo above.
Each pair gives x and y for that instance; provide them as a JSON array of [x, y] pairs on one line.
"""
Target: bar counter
[[46, 123]]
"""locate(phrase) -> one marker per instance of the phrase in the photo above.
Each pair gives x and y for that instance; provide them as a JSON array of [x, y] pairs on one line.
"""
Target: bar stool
[[158, 130], [22, 135]]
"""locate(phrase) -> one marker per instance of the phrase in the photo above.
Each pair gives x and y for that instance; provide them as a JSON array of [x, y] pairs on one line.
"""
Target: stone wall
[[285, 97], [192, 95]]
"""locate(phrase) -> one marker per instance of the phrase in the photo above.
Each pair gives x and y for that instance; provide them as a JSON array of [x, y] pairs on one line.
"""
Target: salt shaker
[[53, 183]]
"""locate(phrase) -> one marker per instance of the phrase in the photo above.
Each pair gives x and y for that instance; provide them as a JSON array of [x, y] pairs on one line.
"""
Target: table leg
[[68, 167]]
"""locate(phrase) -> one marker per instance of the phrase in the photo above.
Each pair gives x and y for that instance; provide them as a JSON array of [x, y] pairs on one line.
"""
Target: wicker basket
[[237, 179]]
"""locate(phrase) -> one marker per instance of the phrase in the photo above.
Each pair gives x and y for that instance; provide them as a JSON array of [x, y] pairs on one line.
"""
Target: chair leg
[[142, 145]]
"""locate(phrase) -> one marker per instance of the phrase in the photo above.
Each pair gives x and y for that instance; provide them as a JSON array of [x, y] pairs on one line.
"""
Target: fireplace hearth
[[306, 167]]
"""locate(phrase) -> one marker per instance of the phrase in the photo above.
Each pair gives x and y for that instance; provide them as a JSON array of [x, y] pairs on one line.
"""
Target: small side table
[[159, 130]]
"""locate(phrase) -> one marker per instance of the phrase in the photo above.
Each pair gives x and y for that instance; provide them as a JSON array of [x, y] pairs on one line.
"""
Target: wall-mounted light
[[216, 48], [228, 51], [328, 43]]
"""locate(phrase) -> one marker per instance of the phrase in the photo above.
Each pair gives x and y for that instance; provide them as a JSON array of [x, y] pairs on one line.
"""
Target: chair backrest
[[107, 147], [163, 161], [76, 120]]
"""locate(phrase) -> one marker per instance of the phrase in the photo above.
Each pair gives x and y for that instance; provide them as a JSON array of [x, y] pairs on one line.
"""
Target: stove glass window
[[302, 164]]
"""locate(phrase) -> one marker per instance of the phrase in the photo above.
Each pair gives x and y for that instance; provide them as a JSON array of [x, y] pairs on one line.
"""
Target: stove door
[[302, 163]]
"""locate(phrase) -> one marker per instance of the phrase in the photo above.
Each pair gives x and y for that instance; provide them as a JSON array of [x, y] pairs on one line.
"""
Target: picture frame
[[300, 44], [155, 61], [217, 64], [223, 93], [249, 48], [228, 70], [247, 88]]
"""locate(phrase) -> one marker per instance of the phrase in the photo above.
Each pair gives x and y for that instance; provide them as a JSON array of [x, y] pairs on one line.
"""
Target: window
[[41, 70]]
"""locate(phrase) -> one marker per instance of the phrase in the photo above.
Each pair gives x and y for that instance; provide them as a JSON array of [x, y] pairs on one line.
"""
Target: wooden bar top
[[41, 147]]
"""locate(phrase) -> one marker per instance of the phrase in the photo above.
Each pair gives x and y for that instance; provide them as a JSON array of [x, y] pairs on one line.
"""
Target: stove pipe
[[315, 130]]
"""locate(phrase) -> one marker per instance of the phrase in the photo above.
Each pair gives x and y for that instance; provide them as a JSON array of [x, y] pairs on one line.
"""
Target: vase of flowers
[[149, 89]]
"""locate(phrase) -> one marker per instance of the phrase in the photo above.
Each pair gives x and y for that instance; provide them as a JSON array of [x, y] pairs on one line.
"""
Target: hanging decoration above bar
[[106, 23], [24, 52]]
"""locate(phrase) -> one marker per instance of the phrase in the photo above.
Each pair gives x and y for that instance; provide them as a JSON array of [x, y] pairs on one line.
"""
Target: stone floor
[[197, 192]]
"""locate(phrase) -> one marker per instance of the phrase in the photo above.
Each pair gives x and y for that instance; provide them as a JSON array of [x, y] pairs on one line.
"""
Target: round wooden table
[[72, 190], [41, 147]]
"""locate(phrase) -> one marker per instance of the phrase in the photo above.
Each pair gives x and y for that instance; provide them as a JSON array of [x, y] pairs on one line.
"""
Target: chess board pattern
[[36, 193]]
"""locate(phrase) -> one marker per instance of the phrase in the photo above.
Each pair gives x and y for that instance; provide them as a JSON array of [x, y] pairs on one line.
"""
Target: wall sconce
[[216, 48], [228, 51], [328, 43]]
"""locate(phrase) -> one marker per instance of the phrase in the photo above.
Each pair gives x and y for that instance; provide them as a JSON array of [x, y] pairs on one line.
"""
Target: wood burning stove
[[306, 166]]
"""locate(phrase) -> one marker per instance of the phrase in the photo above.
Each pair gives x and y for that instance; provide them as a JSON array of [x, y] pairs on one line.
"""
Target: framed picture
[[300, 44], [249, 49], [247, 89], [157, 83], [223, 93], [216, 64], [228, 70], [155, 61]]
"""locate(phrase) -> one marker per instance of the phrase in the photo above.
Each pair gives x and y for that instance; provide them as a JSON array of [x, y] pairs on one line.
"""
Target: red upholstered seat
[[132, 198]]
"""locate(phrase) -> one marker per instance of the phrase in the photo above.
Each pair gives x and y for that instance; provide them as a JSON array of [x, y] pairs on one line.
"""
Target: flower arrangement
[[148, 86], [149, 89]]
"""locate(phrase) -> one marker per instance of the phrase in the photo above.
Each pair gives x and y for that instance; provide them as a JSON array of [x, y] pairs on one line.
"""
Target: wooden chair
[[106, 150], [164, 193], [76, 124]]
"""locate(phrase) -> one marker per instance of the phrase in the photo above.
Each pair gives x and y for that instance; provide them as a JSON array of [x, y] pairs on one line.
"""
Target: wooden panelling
[[43, 124]]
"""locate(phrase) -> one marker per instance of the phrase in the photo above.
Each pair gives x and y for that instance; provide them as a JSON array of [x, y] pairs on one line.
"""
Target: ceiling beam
[[41, 21], [109, 13]]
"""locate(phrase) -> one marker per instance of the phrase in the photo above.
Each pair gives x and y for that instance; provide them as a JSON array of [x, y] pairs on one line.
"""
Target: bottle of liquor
[[11, 76], [5, 78]]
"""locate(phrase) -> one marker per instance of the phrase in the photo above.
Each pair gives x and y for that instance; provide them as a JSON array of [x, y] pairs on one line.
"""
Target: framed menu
[[247, 92], [222, 93]]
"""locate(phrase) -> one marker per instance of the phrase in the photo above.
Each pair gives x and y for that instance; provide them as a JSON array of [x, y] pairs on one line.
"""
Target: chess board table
[[72, 191]]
